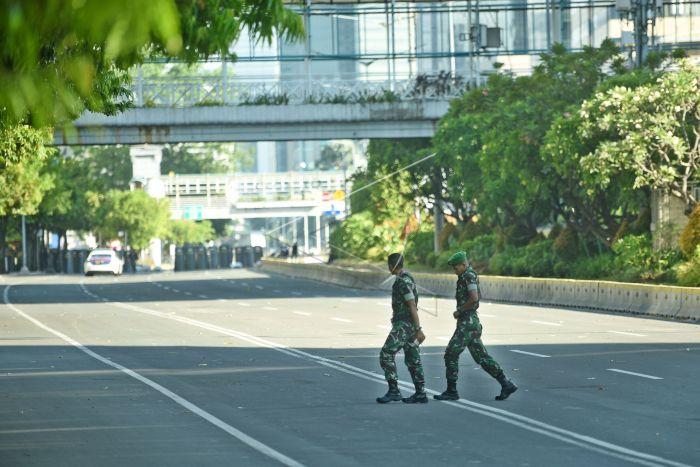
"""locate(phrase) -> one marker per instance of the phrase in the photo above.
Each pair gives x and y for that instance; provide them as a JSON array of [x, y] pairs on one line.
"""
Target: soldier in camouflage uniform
[[405, 334], [468, 333]]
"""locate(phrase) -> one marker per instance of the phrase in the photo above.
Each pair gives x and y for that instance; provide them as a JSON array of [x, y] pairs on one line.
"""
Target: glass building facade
[[399, 39]]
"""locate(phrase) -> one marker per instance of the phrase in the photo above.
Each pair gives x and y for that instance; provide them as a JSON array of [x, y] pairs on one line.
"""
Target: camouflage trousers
[[468, 335], [401, 336]]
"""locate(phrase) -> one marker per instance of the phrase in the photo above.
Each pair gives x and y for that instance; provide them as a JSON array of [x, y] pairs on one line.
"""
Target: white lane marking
[[342, 320], [276, 291], [642, 375], [176, 290], [242, 304], [271, 308], [166, 288], [244, 284], [546, 323], [302, 313], [252, 442], [259, 287], [298, 294], [505, 416], [202, 296], [628, 333], [531, 353]]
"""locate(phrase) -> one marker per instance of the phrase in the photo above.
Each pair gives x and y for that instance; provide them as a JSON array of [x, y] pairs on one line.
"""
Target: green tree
[[334, 157], [60, 58], [593, 211], [23, 181], [652, 132], [134, 213], [203, 158], [490, 140], [186, 231]]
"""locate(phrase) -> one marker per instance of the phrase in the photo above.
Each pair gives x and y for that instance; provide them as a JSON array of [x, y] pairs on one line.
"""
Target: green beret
[[458, 258]]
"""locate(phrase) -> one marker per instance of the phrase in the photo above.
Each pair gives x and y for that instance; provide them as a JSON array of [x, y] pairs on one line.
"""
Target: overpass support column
[[318, 233], [295, 233], [306, 234]]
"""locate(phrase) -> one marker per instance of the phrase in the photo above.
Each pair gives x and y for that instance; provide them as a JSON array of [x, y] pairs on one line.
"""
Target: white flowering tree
[[651, 132]]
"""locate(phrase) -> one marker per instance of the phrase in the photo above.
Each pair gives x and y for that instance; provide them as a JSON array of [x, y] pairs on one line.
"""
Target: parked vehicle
[[103, 260]]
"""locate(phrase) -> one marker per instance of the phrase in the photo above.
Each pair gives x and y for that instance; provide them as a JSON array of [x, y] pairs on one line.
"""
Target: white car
[[103, 260]]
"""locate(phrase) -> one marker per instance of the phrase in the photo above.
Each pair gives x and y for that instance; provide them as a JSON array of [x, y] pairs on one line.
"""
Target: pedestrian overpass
[[215, 109]]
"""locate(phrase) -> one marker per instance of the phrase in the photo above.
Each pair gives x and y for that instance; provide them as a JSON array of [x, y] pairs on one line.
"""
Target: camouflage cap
[[458, 258]]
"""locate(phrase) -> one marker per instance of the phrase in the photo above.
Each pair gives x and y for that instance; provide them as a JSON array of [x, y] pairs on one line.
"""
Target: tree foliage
[[135, 214], [187, 231], [59, 58], [651, 132]]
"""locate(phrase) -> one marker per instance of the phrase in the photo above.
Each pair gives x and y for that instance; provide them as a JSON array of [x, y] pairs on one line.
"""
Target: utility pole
[[642, 14]]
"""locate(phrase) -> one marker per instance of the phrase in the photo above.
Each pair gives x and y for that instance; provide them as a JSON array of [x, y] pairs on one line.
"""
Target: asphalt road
[[245, 368]]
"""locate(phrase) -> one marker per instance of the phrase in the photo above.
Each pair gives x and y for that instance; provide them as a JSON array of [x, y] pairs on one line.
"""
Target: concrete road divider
[[644, 299]]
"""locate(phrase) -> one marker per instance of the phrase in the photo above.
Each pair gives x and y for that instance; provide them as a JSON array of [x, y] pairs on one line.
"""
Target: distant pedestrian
[[468, 332], [406, 334]]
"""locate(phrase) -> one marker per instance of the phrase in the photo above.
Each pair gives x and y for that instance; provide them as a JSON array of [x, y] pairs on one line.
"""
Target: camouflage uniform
[[468, 332], [403, 332]]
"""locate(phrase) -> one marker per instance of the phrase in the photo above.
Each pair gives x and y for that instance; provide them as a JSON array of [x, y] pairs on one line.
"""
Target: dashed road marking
[[531, 353], [203, 296], [624, 333], [298, 294], [546, 323], [641, 375], [342, 320], [176, 290], [259, 287]]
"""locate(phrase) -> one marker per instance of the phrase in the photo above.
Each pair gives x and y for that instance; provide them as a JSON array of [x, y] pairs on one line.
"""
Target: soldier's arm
[[416, 320]]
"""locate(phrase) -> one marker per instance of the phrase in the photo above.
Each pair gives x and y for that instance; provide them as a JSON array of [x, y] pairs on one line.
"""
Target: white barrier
[[645, 299]]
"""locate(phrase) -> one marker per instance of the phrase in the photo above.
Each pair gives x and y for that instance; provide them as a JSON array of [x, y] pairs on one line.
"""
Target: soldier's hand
[[420, 336], [456, 314]]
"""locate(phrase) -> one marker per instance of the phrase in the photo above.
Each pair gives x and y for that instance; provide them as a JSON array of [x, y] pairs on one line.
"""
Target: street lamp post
[[24, 269]]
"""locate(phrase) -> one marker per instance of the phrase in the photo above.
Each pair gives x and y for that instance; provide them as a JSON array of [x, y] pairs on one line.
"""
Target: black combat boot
[[392, 395], [507, 388], [419, 397], [450, 393]]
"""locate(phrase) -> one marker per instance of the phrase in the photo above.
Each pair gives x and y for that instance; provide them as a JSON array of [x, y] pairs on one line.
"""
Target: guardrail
[[643, 299], [191, 91]]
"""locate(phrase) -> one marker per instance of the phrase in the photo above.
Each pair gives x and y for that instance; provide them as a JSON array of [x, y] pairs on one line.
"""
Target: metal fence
[[259, 184], [215, 90]]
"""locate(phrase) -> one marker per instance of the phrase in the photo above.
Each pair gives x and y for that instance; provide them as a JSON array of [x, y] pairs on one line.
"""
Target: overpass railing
[[217, 90], [262, 185]]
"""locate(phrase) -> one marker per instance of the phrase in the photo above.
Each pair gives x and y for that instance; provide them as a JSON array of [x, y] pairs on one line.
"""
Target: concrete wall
[[644, 299]]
